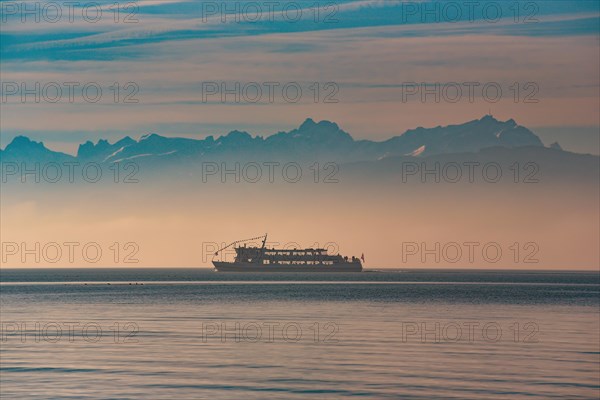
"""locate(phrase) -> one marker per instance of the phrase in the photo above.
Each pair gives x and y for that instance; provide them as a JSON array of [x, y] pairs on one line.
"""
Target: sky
[[179, 226], [375, 67]]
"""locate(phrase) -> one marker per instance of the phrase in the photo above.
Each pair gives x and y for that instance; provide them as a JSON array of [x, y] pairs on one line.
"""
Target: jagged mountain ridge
[[311, 140]]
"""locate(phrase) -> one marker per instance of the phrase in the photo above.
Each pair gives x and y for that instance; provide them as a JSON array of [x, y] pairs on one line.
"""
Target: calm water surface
[[195, 334]]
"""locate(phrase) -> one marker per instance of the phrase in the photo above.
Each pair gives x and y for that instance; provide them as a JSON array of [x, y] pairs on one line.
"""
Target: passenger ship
[[263, 259]]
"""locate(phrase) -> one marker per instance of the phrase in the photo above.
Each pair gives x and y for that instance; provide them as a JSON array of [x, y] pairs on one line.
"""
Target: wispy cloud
[[369, 49]]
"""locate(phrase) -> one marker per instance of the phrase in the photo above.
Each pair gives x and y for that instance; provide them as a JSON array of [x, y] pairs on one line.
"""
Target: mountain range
[[311, 141]]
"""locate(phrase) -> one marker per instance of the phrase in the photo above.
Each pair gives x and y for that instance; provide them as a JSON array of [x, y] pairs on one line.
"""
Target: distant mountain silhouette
[[534, 163], [312, 140], [24, 149], [482, 141], [469, 137]]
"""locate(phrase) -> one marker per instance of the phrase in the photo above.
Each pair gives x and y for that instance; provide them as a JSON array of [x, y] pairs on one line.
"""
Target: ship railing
[[302, 258]]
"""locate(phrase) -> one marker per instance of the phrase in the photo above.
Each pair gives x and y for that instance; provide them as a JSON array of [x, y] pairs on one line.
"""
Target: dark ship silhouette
[[263, 259]]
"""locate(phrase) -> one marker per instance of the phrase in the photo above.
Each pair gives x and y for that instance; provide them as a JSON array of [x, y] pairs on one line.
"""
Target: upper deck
[[296, 256]]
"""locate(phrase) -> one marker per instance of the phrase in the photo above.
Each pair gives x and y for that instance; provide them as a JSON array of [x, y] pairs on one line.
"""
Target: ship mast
[[264, 237], [264, 241]]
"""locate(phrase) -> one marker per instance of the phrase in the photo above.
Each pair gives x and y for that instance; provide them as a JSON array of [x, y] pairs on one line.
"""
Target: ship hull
[[250, 267]]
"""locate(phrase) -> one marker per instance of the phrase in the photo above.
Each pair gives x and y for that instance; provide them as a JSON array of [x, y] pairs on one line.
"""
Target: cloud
[[369, 54]]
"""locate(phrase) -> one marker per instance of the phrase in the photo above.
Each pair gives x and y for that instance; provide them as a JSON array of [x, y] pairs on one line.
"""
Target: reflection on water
[[188, 334]]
